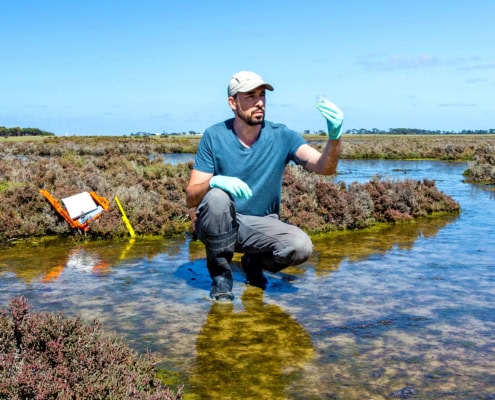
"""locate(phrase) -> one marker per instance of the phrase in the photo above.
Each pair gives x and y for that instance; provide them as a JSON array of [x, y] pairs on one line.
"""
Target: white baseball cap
[[245, 81]]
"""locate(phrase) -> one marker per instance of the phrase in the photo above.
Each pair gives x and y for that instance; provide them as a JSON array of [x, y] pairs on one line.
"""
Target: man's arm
[[198, 186], [322, 163]]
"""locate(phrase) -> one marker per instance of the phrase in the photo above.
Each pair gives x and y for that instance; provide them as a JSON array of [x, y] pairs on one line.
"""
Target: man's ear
[[232, 103]]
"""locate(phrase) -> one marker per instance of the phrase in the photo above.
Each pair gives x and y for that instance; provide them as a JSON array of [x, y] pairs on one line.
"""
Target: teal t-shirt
[[261, 166]]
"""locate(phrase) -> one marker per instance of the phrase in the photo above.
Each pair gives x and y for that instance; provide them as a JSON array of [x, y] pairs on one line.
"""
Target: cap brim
[[256, 85]]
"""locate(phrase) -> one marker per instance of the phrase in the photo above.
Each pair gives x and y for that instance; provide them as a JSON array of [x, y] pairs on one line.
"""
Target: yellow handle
[[124, 218]]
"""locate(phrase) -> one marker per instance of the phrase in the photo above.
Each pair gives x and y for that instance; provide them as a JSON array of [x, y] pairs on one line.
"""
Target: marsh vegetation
[[152, 191]]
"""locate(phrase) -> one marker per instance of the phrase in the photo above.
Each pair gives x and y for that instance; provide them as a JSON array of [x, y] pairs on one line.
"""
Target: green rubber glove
[[235, 186], [334, 117]]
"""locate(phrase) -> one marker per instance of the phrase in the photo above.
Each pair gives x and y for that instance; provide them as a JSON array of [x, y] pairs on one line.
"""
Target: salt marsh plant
[[482, 168], [153, 192], [51, 356]]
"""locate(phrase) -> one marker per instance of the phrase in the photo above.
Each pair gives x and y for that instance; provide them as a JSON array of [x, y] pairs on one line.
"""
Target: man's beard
[[250, 120]]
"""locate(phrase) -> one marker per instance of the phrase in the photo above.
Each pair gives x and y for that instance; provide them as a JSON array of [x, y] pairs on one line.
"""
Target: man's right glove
[[334, 117], [235, 186]]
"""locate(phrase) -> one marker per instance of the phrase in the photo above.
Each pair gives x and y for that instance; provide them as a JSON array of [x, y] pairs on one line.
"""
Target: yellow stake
[[124, 218]]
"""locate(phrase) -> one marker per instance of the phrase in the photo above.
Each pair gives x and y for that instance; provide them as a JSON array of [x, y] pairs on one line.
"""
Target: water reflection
[[255, 353], [77, 259], [359, 245], [48, 261]]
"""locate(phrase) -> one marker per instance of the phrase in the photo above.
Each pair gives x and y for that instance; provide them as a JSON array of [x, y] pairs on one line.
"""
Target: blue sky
[[117, 67]]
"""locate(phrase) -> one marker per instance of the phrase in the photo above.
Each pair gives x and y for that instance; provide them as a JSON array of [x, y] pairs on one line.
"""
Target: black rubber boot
[[254, 271], [221, 288], [219, 253], [221, 275]]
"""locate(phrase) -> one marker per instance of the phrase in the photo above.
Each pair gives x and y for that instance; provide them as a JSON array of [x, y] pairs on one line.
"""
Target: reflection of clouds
[[372, 358], [82, 260], [252, 354], [78, 259]]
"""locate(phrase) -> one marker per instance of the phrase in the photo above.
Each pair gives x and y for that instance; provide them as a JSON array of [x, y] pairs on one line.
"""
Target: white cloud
[[461, 105], [386, 63], [477, 67]]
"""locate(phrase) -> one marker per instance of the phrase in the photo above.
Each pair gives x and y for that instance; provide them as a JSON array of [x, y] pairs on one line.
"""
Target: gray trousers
[[275, 244]]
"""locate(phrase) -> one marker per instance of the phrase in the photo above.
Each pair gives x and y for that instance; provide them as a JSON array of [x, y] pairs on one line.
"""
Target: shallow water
[[405, 311]]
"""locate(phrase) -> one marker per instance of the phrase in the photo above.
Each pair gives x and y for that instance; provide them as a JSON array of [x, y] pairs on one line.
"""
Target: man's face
[[249, 106]]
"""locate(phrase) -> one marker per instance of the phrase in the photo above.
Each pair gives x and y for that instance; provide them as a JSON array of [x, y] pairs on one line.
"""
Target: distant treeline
[[6, 132], [410, 131]]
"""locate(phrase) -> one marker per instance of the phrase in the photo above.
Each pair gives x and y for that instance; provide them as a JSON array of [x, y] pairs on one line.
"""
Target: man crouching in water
[[236, 185]]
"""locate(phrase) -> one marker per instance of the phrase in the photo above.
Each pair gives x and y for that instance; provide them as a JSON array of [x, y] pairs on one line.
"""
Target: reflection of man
[[249, 354]]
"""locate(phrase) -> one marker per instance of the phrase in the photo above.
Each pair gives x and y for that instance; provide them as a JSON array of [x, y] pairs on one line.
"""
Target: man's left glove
[[334, 117]]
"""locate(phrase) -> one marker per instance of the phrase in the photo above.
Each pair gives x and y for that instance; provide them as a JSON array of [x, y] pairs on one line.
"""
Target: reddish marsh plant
[[153, 193], [318, 205], [482, 168], [49, 356]]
